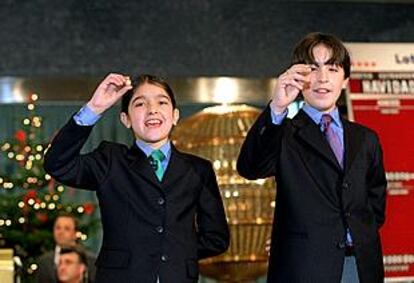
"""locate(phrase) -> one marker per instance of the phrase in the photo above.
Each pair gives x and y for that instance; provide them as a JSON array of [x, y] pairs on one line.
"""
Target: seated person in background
[[73, 266], [64, 234]]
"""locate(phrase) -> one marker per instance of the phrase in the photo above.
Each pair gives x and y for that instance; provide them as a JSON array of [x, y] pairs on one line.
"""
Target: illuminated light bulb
[[27, 148], [78, 234], [227, 194], [26, 121], [2, 222], [225, 163], [217, 164], [55, 197], [38, 156], [51, 206], [30, 106], [43, 205], [10, 155], [21, 220], [36, 206], [20, 204], [19, 157], [31, 201], [60, 189], [34, 97], [8, 185], [8, 222], [34, 266], [47, 177], [29, 165], [1, 180], [5, 146], [80, 209], [31, 157], [39, 147], [84, 237]]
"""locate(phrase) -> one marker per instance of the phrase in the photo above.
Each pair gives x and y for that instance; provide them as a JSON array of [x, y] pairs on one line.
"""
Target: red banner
[[384, 102]]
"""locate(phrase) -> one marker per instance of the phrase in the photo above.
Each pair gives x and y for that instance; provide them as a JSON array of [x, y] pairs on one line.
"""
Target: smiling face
[[326, 80], [151, 115]]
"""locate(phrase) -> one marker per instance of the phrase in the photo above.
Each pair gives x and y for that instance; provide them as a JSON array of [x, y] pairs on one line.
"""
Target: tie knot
[[157, 155], [326, 120]]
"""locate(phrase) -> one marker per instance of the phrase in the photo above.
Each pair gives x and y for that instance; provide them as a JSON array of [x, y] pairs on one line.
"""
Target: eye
[[313, 68], [333, 68], [164, 102], [138, 104]]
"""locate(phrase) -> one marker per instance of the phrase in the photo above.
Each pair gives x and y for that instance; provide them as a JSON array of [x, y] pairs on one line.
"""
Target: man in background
[[64, 234], [73, 266]]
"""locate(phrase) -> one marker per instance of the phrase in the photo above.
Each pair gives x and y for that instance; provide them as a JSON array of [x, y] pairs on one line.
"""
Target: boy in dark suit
[[161, 209], [331, 185]]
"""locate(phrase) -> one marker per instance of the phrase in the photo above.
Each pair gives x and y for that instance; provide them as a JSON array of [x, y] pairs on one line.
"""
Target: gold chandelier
[[216, 133]]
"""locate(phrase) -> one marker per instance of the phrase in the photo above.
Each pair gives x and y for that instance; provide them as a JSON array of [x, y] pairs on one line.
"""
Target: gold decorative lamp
[[216, 133]]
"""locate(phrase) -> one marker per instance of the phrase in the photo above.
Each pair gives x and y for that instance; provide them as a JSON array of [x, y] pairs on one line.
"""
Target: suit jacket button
[[161, 201], [164, 258], [345, 186], [341, 245], [160, 229]]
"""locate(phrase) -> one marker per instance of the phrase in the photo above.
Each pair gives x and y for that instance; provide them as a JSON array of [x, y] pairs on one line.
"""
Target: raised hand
[[289, 85], [108, 92]]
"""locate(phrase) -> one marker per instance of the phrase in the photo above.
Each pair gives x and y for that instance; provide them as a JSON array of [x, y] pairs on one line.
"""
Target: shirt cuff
[[86, 117], [277, 118]]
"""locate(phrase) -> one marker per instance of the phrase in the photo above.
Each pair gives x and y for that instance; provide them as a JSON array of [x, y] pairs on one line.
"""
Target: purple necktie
[[332, 138]]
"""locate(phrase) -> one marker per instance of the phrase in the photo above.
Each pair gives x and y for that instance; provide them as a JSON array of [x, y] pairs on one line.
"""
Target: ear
[[125, 119], [82, 268], [176, 116], [345, 83]]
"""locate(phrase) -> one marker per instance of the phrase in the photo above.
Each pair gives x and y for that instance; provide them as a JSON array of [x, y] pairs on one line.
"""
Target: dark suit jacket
[[316, 199], [150, 228], [47, 271]]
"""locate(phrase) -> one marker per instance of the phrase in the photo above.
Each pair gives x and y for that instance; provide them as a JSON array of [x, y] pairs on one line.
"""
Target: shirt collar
[[147, 149], [316, 115]]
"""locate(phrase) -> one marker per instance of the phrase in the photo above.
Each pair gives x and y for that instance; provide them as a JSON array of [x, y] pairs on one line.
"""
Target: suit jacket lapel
[[352, 143], [176, 169], [310, 134], [174, 172], [139, 162]]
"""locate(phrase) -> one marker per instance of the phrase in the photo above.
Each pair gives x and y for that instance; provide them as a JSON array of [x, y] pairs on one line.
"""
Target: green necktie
[[155, 158]]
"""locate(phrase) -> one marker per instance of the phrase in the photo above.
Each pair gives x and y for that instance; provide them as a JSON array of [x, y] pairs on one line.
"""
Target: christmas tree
[[30, 200]]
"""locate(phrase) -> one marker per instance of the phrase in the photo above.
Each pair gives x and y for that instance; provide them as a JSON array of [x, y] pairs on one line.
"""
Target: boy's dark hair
[[143, 79], [303, 52], [77, 250]]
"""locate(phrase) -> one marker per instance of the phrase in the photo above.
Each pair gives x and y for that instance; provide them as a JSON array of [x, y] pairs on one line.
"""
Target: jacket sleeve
[[212, 229], [259, 152], [377, 183], [64, 162]]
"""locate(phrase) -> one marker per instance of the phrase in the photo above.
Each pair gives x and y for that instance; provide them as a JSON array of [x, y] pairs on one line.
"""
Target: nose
[[153, 108], [322, 75]]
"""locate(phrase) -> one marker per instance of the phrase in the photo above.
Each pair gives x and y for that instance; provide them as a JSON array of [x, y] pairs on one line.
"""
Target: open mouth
[[153, 123], [321, 91]]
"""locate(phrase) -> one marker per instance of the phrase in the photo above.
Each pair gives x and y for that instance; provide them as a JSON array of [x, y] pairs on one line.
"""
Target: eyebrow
[[160, 95]]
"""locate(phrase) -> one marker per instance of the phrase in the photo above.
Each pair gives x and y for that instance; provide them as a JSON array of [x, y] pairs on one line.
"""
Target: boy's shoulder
[[359, 127], [356, 127], [192, 158]]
